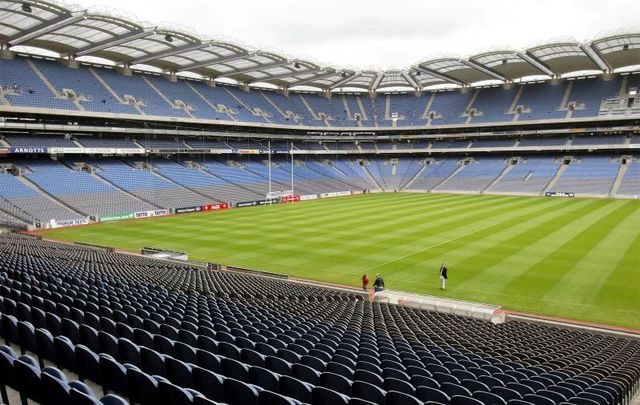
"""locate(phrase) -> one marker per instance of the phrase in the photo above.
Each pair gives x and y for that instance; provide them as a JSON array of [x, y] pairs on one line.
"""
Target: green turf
[[575, 258]]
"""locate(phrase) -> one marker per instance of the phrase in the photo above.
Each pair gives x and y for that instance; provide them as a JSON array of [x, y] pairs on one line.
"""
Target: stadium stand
[[158, 332], [49, 84], [588, 176], [528, 175]]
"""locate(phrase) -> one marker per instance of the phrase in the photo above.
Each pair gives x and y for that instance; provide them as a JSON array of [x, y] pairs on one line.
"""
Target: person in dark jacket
[[443, 277], [378, 285]]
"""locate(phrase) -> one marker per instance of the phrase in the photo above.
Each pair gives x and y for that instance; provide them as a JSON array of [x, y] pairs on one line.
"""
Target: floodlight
[[168, 38], [26, 8]]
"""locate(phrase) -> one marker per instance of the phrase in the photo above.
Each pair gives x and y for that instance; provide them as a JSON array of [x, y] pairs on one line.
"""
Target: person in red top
[[365, 282]]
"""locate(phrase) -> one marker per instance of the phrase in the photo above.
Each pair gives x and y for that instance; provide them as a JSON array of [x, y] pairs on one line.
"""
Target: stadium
[[188, 221]]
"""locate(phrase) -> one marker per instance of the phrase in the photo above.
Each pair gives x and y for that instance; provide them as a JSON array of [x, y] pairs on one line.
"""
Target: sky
[[385, 34]]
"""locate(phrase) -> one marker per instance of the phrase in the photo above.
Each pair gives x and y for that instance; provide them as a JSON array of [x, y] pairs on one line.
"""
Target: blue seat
[[113, 375], [234, 369], [464, 400], [208, 383], [146, 387], [171, 394], [336, 382], [27, 378], [208, 361], [294, 388], [432, 394], [368, 392], [273, 398], [326, 396], [368, 376], [452, 389], [489, 398], [305, 373], [239, 393], [111, 399], [88, 364], [55, 385], [179, 372], [401, 398], [81, 394], [129, 352], [538, 399], [65, 353], [263, 378], [185, 352], [152, 362]]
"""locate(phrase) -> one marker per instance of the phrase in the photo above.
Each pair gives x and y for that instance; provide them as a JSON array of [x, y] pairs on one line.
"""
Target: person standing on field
[[379, 283], [443, 276], [365, 282]]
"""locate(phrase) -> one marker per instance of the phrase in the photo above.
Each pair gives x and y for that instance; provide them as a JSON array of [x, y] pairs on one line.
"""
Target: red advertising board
[[290, 198], [215, 207]]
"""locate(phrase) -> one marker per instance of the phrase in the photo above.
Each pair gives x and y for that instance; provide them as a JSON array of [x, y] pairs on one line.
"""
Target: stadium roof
[[74, 33]]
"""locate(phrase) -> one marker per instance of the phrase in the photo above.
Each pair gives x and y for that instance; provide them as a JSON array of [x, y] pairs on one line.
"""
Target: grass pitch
[[574, 258]]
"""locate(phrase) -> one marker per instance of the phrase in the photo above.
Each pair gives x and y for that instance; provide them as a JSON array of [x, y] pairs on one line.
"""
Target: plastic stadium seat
[[465, 400], [326, 396], [272, 398], [295, 388], [263, 378], [239, 393], [369, 392], [210, 384], [432, 394], [400, 398], [489, 398]]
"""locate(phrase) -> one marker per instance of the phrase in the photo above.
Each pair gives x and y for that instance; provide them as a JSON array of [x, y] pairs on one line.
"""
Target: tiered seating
[[493, 143], [42, 141], [256, 187], [81, 190], [255, 99], [409, 106], [162, 143], [28, 89], [435, 173], [10, 221], [307, 181], [148, 186], [136, 87], [161, 333], [494, 103], [630, 185], [541, 101], [543, 142], [591, 93], [476, 175], [449, 144], [90, 93], [160, 97], [530, 175], [599, 140], [180, 90], [355, 174], [332, 108], [589, 175], [197, 180], [294, 105], [382, 170], [450, 106], [28, 204], [101, 142], [220, 96]]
